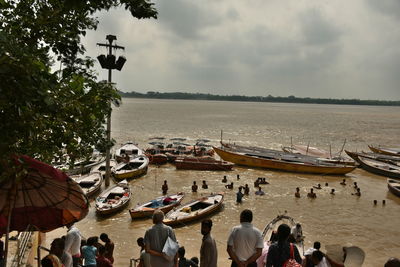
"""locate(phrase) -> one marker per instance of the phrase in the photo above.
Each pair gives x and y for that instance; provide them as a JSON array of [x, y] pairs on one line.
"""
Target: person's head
[[204, 181], [206, 226], [104, 237], [246, 185], [165, 181], [140, 242], [333, 190], [283, 232], [358, 190], [246, 216], [57, 247], [92, 241], [101, 249], [194, 182], [158, 216], [259, 188], [317, 245], [317, 257], [297, 189], [344, 180], [240, 189], [375, 202], [392, 262], [355, 183], [298, 226], [312, 190], [181, 252], [326, 184]]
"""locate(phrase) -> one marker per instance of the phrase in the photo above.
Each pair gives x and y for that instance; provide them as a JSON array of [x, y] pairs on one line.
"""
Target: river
[[342, 219]]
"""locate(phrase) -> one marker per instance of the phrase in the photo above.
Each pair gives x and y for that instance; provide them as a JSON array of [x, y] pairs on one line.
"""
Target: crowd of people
[[159, 247]]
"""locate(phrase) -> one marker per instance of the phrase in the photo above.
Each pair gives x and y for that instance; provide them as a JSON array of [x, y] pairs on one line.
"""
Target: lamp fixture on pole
[[109, 62]]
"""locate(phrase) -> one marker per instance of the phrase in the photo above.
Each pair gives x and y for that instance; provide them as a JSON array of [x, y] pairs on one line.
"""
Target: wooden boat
[[164, 203], [102, 167], [375, 156], [385, 150], [157, 159], [136, 167], [128, 149], [379, 167], [273, 225], [194, 210], [82, 166], [202, 163], [90, 183], [114, 199], [318, 153], [394, 187], [276, 160]]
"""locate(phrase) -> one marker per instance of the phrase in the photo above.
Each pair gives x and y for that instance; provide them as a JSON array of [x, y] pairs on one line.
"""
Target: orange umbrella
[[39, 196]]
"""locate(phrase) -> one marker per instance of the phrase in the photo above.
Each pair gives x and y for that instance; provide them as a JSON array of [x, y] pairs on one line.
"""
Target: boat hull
[[107, 203], [368, 165], [148, 212], [394, 187], [275, 164], [384, 151], [202, 164]]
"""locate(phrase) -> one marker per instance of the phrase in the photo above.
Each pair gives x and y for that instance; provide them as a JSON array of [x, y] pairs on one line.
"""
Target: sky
[[306, 48]]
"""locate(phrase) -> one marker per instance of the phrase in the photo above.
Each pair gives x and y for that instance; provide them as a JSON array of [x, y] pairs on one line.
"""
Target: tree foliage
[[43, 112]]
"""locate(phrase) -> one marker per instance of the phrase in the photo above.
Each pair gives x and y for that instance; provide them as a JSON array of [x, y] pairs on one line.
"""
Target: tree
[[46, 113]]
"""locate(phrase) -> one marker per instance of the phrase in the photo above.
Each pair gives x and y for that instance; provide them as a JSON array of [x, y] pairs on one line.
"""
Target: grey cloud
[[186, 19], [387, 7], [316, 29]]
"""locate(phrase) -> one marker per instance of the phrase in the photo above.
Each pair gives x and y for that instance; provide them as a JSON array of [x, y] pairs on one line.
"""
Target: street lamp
[[109, 62]]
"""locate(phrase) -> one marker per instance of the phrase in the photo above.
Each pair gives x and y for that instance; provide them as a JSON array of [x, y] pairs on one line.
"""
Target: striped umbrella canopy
[[39, 196]]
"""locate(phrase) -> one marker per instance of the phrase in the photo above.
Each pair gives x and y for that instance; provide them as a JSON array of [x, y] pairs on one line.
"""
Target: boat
[[379, 167], [136, 167], [318, 153], [81, 166], [202, 163], [394, 187], [385, 150], [194, 210], [129, 149], [375, 156], [163, 203], [277, 160], [102, 167], [114, 199], [157, 159], [90, 183], [273, 225]]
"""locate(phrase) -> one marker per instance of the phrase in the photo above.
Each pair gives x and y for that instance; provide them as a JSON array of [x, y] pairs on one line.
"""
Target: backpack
[[291, 262]]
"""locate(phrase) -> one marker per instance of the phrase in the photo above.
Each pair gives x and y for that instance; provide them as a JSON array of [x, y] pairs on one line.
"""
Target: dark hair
[[246, 216], [140, 240], [195, 260], [181, 252], [317, 245], [92, 241], [207, 222], [318, 255], [392, 262], [104, 237], [283, 232]]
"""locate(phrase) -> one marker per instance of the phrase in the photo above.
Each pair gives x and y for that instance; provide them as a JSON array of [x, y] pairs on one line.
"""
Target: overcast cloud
[[306, 48]]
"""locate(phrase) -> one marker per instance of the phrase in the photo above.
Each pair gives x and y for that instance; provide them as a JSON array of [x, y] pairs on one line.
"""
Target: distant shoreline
[[272, 99]]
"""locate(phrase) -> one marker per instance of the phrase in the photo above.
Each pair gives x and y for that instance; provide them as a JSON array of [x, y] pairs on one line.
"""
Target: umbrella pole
[[7, 238]]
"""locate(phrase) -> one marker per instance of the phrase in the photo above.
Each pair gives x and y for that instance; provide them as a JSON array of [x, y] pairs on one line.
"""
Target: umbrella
[[39, 196]]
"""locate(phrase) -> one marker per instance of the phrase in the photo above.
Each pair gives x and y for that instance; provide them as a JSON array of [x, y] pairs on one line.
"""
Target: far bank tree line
[[269, 98]]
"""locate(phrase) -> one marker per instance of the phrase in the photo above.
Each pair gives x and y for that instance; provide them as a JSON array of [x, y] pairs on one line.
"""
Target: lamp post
[[109, 62]]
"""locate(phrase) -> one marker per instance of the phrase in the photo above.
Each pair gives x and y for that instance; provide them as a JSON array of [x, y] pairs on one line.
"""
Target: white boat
[[129, 149], [102, 167], [114, 199], [90, 183], [194, 210], [163, 203], [136, 167]]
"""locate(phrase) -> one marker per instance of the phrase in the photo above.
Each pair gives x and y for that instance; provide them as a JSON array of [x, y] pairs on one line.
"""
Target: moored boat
[[271, 159], [194, 210], [375, 156], [163, 203], [157, 159], [202, 163], [394, 187], [129, 149], [271, 228], [102, 167], [385, 150], [90, 183], [136, 167], [114, 199], [379, 167]]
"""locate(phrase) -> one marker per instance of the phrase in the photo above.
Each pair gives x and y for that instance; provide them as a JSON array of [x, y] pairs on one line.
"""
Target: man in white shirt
[[245, 242], [73, 244]]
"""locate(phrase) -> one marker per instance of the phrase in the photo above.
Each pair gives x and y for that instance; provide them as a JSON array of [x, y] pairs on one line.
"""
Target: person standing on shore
[[208, 250], [73, 244], [109, 246], [155, 238], [279, 252], [245, 242]]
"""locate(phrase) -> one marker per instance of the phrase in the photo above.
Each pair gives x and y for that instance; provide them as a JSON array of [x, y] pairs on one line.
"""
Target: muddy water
[[341, 219]]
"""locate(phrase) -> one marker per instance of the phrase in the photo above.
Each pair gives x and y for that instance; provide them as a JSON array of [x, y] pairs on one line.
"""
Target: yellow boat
[[136, 167], [279, 161]]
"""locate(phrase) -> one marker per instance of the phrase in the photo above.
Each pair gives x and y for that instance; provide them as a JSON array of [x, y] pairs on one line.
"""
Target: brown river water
[[342, 219]]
